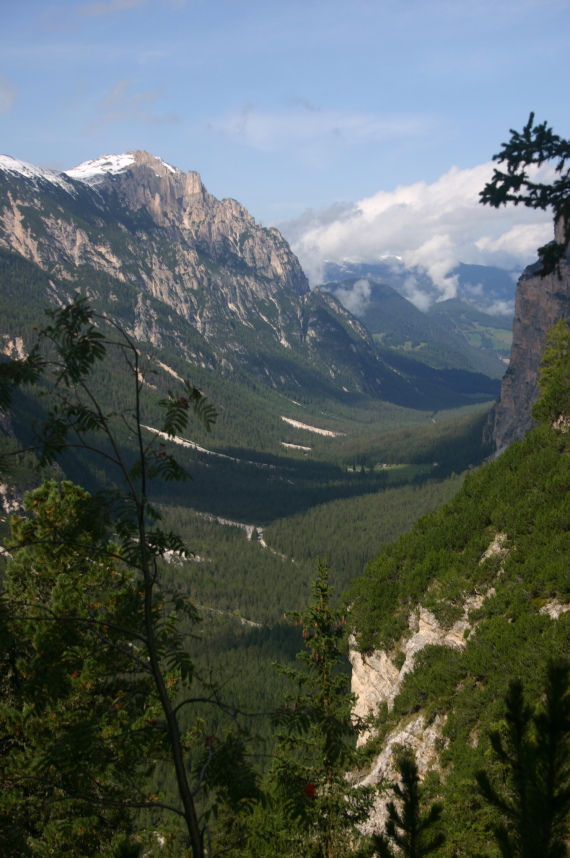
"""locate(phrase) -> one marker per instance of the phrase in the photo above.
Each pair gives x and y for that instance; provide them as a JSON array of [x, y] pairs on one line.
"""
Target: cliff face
[[376, 680], [141, 237], [443, 620], [540, 302], [135, 218]]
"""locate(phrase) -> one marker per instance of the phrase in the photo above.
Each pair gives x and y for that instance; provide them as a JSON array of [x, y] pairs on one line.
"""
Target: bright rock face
[[540, 302], [136, 234], [376, 680]]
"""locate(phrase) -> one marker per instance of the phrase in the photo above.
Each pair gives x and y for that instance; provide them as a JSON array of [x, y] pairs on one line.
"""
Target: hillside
[[476, 595], [483, 331], [450, 335]]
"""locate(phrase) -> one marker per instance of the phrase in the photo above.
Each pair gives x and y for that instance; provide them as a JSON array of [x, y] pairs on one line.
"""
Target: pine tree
[[533, 752], [77, 716], [533, 147], [319, 807], [408, 827], [69, 350]]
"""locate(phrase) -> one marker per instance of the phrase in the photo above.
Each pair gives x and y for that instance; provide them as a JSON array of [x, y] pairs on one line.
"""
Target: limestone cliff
[[377, 679], [539, 302], [135, 218], [141, 237]]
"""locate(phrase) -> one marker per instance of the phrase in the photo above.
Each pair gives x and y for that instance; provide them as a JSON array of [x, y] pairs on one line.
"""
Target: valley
[[358, 440]]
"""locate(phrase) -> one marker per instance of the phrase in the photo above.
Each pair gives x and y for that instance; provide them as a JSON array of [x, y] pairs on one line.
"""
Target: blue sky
[[290, 107]]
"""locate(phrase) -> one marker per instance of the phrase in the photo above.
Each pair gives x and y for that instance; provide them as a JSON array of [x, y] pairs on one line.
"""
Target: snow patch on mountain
[[169, 167], [93, 172], [298, 425], [193, 446], [30, 171]]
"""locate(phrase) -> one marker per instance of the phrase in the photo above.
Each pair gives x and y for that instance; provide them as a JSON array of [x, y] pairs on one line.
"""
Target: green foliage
[[439, 562], [175, 408], [17, 373], [491, 335], [319, 808], [408, 827], [75, 418], [532, 790], [554, 376], [77, 741], [353, 530], [536, 145], [503, 543], [453, 442]]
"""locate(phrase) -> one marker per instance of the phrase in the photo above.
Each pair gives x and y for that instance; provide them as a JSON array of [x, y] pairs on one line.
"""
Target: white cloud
[[356, 298], [7, 94], [431, 227], [123, 103], [302, 124]]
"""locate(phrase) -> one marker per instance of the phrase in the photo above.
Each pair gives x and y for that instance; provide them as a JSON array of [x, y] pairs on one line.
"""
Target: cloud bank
[[355, 299], [429, 227]]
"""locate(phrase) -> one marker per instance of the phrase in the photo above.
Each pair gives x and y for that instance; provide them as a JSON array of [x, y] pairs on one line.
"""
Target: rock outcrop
[[377, 679], [540, 302]]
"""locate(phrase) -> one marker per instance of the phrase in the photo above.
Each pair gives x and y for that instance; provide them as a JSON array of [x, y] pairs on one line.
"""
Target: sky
[[361, 128]]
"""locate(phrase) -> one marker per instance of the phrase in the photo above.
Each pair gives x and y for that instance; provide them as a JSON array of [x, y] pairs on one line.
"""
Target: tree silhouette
[[533, 752], [408, 827], [533, 147]]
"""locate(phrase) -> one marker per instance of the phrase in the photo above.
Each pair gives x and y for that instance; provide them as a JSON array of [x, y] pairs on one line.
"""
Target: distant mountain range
[[450, 335], [199, 278], [487, 288]]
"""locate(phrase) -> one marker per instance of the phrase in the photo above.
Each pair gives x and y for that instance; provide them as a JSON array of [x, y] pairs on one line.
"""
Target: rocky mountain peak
[[134, 221], [140, 179], [97, 170]]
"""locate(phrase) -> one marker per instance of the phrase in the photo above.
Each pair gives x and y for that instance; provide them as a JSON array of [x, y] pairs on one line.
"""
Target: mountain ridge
[[130, 230]]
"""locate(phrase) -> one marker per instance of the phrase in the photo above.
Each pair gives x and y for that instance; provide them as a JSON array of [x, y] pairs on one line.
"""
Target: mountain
[[485, 287], [540, 302], [437, 338], [487, 334], [197, 276], [137, 235], [176, 266]]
